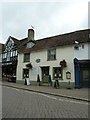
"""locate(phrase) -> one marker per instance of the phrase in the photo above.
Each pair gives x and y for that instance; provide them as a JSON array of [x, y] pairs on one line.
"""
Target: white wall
[[19, 67], [61, 53], [82, 53]]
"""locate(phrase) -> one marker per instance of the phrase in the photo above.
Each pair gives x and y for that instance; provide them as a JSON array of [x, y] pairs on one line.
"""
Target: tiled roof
[[16, 41], [19, 42], [1, 46], [81, 36]]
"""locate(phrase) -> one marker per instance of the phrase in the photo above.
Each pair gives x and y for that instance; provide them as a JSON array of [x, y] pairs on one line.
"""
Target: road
[[17, 103]]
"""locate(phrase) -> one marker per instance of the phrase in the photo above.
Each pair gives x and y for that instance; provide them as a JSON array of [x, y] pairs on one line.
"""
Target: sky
[[48, 18]]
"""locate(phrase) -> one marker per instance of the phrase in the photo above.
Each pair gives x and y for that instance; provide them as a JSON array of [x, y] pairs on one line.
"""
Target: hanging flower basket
[[63, 63], [29, 65]]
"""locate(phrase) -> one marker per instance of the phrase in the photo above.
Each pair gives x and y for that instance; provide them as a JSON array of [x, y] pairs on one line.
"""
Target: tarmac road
[[18, 103]]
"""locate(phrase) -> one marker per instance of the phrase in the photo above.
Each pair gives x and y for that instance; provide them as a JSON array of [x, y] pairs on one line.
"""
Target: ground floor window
[[25, 73], [57, 73]]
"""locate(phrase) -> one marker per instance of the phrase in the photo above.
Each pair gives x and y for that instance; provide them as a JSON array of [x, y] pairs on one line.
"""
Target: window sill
[[57, 79], [61, 79], [52, 60], [25, 61]]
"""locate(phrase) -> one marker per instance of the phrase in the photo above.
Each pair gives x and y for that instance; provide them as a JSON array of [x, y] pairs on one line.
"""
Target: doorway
[[25, 73], [85, 74], [45, 74], [82, 73], [85, 77]]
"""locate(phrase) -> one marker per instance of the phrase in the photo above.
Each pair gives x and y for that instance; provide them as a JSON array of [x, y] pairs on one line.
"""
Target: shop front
[[82, 73], [9, 71]]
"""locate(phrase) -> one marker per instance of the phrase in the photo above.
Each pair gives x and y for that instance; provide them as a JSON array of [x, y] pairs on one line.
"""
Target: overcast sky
[[47, 18]]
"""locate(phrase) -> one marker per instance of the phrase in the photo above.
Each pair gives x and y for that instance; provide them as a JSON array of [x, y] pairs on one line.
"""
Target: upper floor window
[[51, 54], [4, 55], [14, 53], [8, 56], [27, 57]]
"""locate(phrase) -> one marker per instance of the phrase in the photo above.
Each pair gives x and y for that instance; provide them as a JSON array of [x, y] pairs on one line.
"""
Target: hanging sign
[[38, 60]]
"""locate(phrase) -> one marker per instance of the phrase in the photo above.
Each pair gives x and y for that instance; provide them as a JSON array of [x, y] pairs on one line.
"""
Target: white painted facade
[[83, 52], [65, 52]]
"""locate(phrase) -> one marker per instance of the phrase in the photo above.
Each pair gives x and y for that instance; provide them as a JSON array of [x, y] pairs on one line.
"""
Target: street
[[17, 103]]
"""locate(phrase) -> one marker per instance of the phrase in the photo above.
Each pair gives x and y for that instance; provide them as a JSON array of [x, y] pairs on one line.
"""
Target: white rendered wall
[[82, 53], [61, 53]]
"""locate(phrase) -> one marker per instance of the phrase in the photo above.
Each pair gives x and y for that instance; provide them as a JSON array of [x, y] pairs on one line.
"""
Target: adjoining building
[[1, 61], [63, 57], [9, 58]]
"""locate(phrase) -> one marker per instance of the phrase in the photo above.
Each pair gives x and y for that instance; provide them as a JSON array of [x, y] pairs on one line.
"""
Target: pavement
[[78, 94]]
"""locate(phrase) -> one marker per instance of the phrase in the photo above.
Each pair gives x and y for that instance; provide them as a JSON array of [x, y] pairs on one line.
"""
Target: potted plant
[[29, 65], [63, 63]]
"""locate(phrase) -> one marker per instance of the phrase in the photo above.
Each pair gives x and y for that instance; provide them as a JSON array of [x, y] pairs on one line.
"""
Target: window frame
[[25, 71], [49, 56], [24, 59], [61, 72]]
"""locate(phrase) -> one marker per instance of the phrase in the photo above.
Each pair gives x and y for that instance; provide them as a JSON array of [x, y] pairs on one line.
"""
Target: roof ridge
[[64, 34]]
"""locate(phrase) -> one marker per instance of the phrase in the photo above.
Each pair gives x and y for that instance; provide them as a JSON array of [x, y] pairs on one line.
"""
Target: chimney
[[30, 34]]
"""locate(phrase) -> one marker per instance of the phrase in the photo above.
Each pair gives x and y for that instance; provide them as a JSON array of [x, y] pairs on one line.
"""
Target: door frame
[[45, 77]]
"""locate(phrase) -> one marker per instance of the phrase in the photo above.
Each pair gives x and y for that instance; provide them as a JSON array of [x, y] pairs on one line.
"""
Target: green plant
[[63, 63], [29, 65]]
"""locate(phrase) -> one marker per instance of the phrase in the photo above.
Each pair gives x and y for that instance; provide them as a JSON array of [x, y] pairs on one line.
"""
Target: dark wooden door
[[85, 77], [45, 74]]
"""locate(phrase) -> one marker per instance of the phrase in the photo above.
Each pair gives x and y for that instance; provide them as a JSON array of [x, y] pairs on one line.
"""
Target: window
[[14, 53], [86, 75], [3, 56], [8, 56], [25, 73], [30, 45], [11, 53], [57, 72], [51, 54], [27, 57]]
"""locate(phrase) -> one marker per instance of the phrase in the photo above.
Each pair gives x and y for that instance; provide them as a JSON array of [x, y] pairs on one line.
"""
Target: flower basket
[[63, 64], [29, 65]]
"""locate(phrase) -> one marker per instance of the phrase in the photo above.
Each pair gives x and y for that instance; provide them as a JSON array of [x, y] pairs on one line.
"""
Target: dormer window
[[30, 44]]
